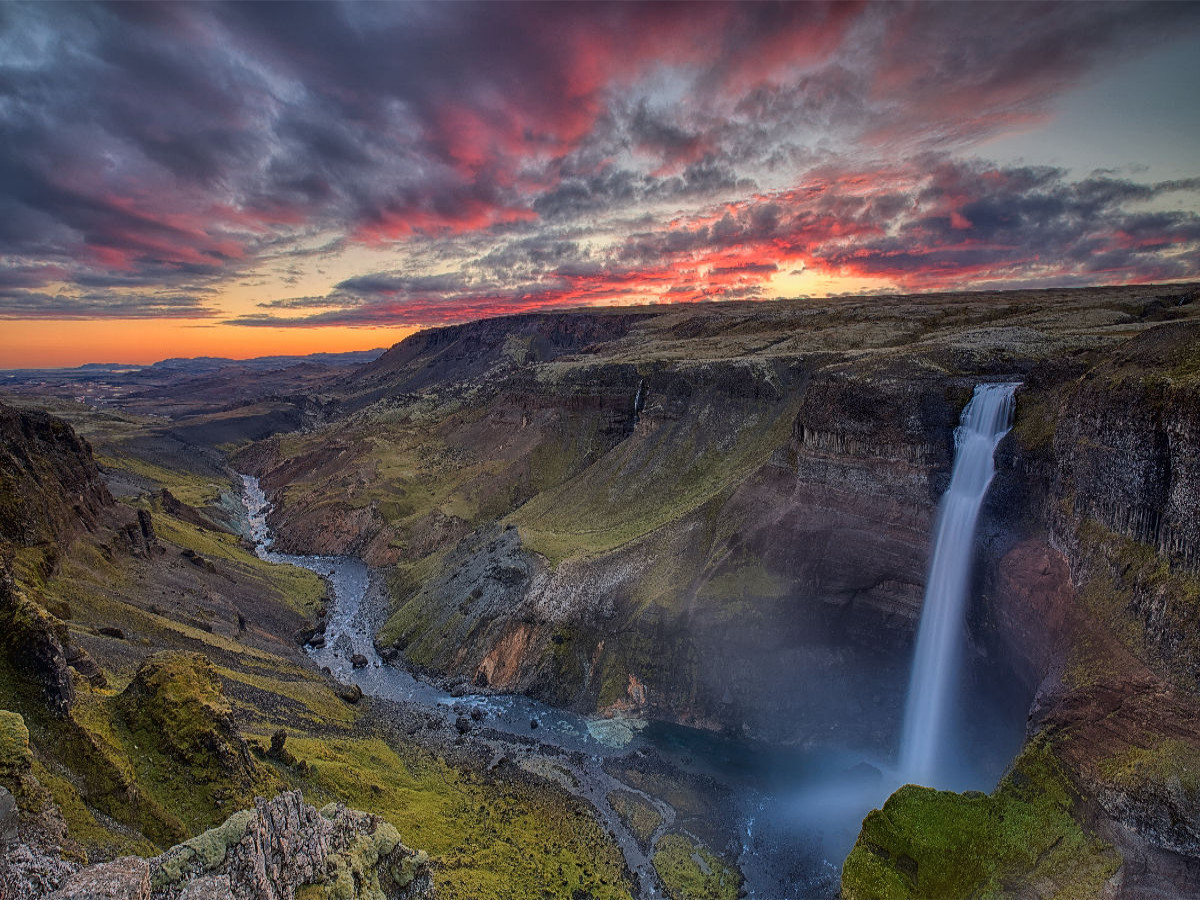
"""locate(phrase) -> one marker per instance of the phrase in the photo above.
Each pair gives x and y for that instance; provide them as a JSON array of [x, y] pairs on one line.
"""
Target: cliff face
[[1090, 591], [691, 514], [664, 536]]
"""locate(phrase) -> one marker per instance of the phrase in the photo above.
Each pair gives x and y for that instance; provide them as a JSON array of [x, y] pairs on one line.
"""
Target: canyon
[[715, 516]]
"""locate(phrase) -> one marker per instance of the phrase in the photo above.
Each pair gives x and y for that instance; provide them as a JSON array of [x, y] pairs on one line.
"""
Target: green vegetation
[[202, 853], [644, 483], [639, 815], [1138, 770], [930, 844], [192, 489], [297, 588], [1035, 421], [691, 872], [15, 755]]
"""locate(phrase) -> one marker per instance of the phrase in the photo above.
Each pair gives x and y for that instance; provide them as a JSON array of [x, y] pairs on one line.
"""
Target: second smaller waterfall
[[986, 419]]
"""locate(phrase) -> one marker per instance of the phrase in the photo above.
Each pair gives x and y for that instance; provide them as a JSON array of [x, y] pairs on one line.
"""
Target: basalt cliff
[[721, 516]]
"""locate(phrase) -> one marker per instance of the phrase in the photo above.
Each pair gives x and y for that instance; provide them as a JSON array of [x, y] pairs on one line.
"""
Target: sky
[[246, 179]]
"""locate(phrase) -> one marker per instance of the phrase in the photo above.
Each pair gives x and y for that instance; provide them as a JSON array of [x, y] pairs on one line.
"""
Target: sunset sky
[[249, 179]]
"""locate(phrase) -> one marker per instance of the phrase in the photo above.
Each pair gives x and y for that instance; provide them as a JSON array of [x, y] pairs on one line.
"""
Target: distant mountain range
[[200, 365]]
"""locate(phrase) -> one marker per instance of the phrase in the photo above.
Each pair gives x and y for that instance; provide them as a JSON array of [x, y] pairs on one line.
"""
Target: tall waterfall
[[931, 691]]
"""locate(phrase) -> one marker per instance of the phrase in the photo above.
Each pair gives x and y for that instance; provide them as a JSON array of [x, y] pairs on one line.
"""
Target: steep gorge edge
[[798, 490]]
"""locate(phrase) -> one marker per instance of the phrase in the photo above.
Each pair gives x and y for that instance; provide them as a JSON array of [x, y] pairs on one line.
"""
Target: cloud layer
[[156, 159]]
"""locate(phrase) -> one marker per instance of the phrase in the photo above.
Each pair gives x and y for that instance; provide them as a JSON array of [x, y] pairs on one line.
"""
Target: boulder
[[177, 703], [81, 661], [127, 878], [351, 693]]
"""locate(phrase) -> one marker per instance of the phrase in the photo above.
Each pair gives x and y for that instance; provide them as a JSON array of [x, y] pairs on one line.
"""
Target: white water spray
[[985, 421]]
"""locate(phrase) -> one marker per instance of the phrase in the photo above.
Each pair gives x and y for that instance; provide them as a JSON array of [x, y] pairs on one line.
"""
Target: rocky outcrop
[[1127, 445], [460, 353], [270, 852], [32, 641], [176, 703], [50, 487], [127, 878], [750, 517]]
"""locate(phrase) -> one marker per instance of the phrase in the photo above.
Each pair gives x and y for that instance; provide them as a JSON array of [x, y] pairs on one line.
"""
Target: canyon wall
[[688, 514]]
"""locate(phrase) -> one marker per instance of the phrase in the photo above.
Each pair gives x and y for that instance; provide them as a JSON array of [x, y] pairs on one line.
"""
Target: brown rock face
[[1133, 745], [1033, 602], [501, 666]]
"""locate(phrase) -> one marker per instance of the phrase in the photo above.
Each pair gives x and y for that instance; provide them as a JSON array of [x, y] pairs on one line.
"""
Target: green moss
[[638, 814], [178, 728], [614, 681], [1126, 584], [356, 875], [311, 699], [931, 844], [1166, 760], [1034, 423], [98, 838], [608, 505], [683, 797], [202, 853], [691, 872], [189, 488], [15, 755]]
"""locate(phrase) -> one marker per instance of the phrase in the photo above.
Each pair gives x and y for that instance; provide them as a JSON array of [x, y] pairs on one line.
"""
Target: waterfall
[[986, 419]]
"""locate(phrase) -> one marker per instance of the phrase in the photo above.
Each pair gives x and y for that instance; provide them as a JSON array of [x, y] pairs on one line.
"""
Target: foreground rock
[[270, 853]]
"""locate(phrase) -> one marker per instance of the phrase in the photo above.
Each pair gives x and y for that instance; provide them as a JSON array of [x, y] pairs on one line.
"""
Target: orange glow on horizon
[[35, 344]]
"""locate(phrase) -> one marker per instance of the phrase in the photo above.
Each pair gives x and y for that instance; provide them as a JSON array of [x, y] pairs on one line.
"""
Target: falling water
[[985, 421]]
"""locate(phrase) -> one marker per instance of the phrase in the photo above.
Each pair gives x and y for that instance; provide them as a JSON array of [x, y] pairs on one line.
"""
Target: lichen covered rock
[[280, 846], [127, 878]]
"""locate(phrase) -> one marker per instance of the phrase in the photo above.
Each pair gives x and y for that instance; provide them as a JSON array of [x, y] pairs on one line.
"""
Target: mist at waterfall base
[[963, 722]]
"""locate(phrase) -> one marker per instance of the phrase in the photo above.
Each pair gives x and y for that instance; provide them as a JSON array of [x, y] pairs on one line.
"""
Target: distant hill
[[202, 364]]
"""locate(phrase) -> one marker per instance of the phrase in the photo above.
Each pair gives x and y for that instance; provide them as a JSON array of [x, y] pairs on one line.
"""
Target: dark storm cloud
[[22, 304], [1009, 224]]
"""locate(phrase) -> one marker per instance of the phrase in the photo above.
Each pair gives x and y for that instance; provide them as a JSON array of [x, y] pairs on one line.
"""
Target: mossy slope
[[927, 844]]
